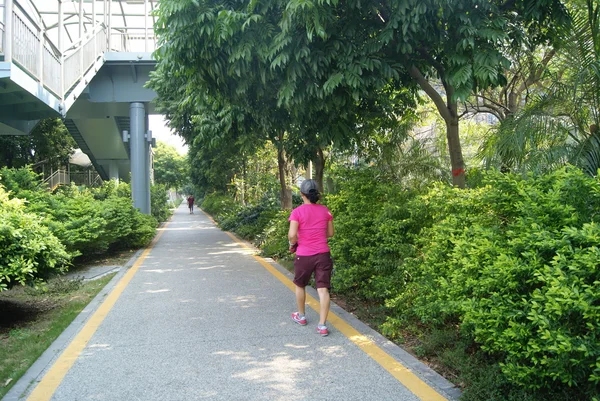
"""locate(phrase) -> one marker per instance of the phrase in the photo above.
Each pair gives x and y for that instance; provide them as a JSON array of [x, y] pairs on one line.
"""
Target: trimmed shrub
[[250, 221], [273, 240], [86, 221], [373, 235], [219, 205], [516, 264], [28, 250], [159, 206]]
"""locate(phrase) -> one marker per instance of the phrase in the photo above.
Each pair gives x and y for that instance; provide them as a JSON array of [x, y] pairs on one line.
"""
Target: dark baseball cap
[[307, 185]]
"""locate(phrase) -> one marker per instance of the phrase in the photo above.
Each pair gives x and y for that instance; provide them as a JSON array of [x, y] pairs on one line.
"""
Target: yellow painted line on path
[[411, 381], [50, 382]]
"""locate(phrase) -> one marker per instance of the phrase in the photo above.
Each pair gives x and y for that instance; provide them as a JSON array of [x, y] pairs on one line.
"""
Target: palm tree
[[561, 125]]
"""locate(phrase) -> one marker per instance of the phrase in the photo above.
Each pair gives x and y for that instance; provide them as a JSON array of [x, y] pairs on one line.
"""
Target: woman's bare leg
[[324, 301], [300, 299]]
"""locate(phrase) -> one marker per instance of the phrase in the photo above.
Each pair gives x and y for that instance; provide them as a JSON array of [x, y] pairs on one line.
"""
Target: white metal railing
[[58, 177], [89, 179], [59, 71], [25, 42], [131, 41], [63, 177], [72, 69], [51, 67]]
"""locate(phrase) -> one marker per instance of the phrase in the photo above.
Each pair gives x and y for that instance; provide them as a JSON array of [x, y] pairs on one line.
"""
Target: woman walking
[[311, 225]]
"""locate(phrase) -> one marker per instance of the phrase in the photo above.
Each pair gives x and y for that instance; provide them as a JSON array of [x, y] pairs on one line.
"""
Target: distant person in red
[[190, 201]]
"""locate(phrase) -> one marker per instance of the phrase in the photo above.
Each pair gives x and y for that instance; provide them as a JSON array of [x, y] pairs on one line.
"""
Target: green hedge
[[219, 205], [85, 221], [29, 252], [373, 235], [515, 264]]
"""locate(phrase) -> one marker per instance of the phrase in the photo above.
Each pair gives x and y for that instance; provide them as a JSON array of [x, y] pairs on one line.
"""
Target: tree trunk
[[455, 150], [319, 164], [286, 191], [244, 180], [448, 110]]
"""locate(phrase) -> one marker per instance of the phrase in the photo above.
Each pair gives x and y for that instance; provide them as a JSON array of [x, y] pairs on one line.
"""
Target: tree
[[169, 166], [317, 55], [49, 142], [359, 47], [221, 52], [527, 77], [559, 125]]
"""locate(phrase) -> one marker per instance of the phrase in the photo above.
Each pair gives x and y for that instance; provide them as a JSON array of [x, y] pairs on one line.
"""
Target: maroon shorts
[[321, 264]]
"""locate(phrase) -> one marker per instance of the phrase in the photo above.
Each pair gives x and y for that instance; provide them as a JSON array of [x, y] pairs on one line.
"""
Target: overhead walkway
[[199, 317], [85, 61]]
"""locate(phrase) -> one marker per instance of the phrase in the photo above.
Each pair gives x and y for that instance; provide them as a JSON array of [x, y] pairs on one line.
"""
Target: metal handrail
[[58, 177]]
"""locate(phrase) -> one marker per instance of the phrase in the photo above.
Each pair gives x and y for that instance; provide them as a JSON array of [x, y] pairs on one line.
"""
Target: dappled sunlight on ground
[[296, 346], [334, 351], [209, 267], [93, 349], [160, 271], [245, 301], [280, 373], [157, 291], [242, 251]]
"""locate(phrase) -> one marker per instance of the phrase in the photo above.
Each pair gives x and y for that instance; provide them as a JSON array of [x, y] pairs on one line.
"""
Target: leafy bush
[[28, 250], [219, 205], [373, 235], [273, 240], [80, 222], [86, 221], [159, 206], [143, 229], [515, 263], [250, 221]]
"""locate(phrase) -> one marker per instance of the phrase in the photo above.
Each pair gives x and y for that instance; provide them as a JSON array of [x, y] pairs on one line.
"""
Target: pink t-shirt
[[312, 228]]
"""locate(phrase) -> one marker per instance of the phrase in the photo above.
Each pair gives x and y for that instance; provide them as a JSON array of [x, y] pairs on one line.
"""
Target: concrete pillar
[[113, 170], [138, 151]]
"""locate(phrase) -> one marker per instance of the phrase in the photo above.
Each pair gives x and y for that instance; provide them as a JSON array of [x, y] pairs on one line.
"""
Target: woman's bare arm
[[293, 232], [330, 230]]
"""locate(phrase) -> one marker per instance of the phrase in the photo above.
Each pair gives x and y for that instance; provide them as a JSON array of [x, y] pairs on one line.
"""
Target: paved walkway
[[199, 317]]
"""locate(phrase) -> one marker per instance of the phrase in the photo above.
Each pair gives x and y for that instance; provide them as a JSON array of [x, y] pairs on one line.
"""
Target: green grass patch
[[31, 319]]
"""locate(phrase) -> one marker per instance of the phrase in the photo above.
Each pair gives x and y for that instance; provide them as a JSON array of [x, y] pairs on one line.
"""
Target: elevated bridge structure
[[85, 61]]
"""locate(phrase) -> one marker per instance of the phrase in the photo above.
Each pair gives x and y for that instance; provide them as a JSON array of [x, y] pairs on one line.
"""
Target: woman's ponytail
[[313, 196]]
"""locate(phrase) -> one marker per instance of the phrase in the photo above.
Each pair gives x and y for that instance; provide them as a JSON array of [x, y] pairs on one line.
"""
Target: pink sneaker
[[298, 318], [322, 330]]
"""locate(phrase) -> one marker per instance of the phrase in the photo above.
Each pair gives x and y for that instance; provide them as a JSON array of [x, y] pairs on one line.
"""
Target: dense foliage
[[28, 249], [73, 222], [170, 168], [48, 143]]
